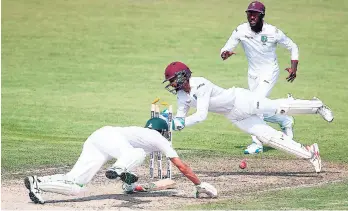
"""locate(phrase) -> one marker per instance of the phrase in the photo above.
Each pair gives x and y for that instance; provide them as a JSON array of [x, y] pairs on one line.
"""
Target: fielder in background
[[242, 107], [259, 41], [129, 145]]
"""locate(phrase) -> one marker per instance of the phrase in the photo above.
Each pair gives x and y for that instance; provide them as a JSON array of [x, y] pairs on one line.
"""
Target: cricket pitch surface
[[261, 175]]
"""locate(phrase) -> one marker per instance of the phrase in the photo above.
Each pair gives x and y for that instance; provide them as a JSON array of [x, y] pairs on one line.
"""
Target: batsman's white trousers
[[103, 145], [262, 85]]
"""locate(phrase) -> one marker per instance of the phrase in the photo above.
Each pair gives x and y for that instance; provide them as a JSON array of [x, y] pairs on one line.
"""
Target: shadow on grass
[[265, 148], [244, 173], [128, 200]]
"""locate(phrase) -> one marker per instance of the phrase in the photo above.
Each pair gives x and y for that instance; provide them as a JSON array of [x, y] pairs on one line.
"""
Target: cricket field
[[71, 67]]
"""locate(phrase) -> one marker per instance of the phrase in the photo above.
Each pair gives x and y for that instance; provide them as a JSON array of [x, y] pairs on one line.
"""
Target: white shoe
[[315, 160], [325, 112], [31, 183], [253, 149]]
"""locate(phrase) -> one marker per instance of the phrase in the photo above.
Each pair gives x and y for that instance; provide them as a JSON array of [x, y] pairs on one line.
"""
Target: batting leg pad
[[291, 107], [59, 183], [282, 142]]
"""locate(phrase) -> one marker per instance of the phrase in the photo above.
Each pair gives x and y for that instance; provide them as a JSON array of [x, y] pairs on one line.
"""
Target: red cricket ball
[[243, 164]]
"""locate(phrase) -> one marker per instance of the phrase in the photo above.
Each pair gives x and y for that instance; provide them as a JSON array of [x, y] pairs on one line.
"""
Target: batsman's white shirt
[[129, 145], [260, 48], [147, 139]]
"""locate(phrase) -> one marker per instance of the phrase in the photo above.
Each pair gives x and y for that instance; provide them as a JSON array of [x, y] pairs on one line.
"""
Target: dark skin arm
[[226, 54], [186, 170], [292, 71]]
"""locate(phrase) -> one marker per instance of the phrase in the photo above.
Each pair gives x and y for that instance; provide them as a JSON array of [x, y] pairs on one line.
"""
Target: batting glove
[[206, 188], [128, 189]]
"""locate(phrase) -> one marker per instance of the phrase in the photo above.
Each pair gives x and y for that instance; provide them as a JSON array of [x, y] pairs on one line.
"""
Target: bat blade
[[155, 186]]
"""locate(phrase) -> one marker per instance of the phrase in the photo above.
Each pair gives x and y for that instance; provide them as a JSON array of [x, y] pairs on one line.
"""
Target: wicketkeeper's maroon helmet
[[176, 72]]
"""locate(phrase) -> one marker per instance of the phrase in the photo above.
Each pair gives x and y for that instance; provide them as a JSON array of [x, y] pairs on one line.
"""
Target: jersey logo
[[264, 39], [195, 96], [248, 37], [200, 85]]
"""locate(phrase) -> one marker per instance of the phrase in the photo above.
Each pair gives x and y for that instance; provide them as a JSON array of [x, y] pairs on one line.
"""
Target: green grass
[[327, 197], [70, 67]]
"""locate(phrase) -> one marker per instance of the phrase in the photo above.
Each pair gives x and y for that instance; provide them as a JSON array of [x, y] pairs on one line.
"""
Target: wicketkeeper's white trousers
[[262, 85], [249, 106]]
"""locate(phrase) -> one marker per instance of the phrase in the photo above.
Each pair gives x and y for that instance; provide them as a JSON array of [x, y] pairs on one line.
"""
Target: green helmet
[[157, 124]]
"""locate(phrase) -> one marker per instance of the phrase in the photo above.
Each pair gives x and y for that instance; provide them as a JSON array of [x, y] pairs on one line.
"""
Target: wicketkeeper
[[242, 107], [129, 145]]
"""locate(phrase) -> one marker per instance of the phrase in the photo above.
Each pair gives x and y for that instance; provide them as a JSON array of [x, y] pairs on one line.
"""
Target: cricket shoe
[[31, 183], [325, 112], [125, 176], [253, 149], [315, 160]]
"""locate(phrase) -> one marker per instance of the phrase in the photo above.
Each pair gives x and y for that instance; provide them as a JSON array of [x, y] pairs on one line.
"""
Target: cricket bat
[[155, 186]]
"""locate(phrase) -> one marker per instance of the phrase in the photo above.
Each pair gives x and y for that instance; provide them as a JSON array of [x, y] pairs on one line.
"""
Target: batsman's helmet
[[176, 72], [158, 124], [257, 6]]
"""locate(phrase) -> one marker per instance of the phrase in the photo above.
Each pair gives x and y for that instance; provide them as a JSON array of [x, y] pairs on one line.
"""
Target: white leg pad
[[59, 183], [282, 142], [291, 107]]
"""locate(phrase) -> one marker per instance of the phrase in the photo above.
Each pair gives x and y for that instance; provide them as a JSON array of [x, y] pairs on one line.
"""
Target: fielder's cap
[[256, 6]]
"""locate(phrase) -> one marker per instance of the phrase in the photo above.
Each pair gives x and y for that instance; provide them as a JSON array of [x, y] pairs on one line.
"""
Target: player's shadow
[[128, 200], [265, 148], [247, 173]]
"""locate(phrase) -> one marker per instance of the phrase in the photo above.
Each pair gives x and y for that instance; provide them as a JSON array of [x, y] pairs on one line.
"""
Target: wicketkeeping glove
[[165, 113], [178, 123], [206, 188]]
